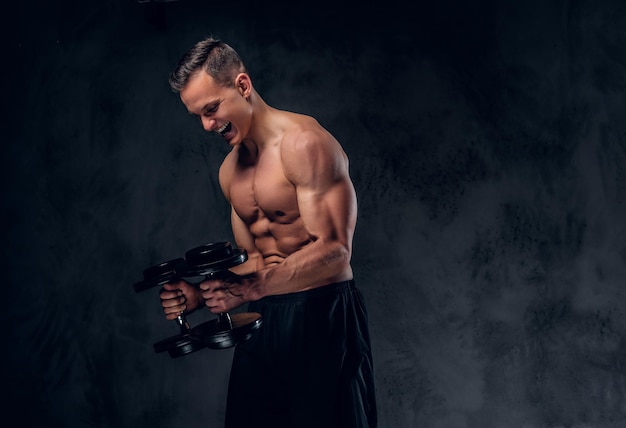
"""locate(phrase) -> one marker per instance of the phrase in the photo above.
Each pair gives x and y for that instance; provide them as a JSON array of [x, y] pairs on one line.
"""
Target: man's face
[[220, 109]]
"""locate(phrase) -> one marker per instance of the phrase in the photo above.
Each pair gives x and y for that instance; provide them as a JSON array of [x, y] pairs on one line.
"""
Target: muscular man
[[294, 210]]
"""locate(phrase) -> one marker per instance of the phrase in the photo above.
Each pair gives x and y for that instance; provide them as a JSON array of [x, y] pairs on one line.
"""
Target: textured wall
[[488, 149]]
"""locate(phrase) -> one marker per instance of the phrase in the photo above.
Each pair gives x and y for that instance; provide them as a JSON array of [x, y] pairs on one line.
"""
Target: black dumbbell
[[226, 330], [156, 276]]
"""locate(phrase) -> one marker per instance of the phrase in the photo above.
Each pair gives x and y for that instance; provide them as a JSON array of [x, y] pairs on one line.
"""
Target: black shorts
[[308, 366]]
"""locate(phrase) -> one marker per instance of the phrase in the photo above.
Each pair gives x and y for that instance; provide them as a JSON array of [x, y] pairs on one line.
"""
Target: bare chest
[[261, 192]]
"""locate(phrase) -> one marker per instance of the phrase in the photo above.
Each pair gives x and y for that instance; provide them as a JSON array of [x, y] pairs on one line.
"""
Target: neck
[[263, 129]]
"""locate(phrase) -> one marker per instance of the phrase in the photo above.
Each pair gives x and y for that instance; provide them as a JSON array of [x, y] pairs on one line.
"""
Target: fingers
[[214, 298], [210, 297], [170, 285], [166, 295], [219, 300], [219, 295], [176, 301], [173, 301], [210, 284]]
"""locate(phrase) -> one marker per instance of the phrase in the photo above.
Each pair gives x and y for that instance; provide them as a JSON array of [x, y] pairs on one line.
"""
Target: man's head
[[216, 58], [214, 86]]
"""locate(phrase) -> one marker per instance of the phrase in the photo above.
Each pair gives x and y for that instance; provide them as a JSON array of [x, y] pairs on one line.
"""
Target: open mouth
[[224, 129]]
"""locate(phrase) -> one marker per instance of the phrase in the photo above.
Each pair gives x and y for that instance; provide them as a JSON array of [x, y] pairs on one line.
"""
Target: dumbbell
[[156, 276], [213, 260], [227, 330]]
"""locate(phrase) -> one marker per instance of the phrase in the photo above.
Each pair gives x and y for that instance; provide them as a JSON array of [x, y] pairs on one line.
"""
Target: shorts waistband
[[324, 290]]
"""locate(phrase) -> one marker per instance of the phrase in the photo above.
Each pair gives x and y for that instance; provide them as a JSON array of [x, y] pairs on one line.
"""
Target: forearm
[[317, 264]]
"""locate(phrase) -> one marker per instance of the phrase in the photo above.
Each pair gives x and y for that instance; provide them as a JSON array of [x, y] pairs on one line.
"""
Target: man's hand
[[224, 294], [177, 297]]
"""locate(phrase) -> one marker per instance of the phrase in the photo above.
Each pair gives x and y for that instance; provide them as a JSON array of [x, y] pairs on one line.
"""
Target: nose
[[207, 123]]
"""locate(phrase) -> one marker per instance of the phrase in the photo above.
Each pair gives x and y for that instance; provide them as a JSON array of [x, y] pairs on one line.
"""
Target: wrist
[[256, 287]]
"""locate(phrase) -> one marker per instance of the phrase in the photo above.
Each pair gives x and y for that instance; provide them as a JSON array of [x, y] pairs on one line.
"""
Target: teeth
[[223, 128]]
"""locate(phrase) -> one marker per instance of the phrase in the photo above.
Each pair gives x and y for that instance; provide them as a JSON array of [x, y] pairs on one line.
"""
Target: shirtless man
[[293, 209]]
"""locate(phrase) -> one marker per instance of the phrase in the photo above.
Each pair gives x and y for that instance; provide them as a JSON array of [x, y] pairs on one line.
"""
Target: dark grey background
[[488, 146]]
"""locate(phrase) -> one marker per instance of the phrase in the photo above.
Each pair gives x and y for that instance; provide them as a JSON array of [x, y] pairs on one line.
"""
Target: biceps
[[331, 214]]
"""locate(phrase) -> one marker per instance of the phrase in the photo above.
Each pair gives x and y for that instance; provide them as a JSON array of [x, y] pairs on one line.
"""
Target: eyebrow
[[210, 104]]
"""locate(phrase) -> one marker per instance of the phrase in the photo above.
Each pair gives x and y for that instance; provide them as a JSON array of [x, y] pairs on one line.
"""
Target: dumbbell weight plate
[[210, 259], [216, 336], [180, 345], [215, 257], [160, 274]]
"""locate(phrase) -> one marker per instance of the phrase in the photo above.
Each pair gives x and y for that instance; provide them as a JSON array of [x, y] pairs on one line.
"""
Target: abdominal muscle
[[276, 241], [277, 238]]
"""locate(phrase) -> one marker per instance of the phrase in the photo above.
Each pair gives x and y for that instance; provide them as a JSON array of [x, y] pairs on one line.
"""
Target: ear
[[243, 83]]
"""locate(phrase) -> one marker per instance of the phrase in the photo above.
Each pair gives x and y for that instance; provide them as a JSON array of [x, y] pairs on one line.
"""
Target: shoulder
[[305, 132], [306, 138], [307, 146]]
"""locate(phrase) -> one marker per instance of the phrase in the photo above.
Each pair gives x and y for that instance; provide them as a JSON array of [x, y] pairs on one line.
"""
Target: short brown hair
[[215, 57]]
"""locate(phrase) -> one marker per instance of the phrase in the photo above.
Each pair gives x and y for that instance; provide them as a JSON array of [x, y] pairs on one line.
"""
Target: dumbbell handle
[[181, 320], [224, 322], [223, 318]]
